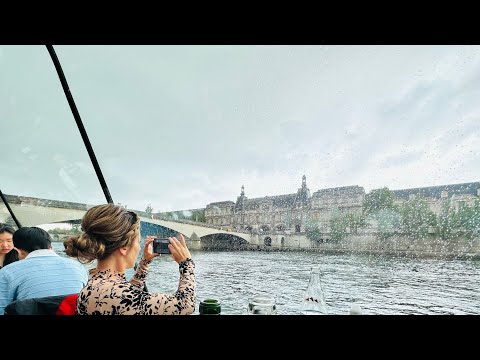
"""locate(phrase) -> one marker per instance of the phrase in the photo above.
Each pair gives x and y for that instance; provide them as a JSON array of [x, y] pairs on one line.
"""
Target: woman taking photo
[[111, 235]]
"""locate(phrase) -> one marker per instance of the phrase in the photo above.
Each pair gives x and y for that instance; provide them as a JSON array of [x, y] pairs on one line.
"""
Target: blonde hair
[[106, 228]]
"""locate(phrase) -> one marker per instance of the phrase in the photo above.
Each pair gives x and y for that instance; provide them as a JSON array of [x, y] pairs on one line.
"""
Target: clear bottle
[[355, 309], [313, 300], [262, 304]]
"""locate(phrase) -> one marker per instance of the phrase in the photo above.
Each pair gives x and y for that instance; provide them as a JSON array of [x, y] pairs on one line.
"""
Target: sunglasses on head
[[133, 215]]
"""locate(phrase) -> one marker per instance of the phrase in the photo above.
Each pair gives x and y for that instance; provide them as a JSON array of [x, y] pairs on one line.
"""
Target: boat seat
[[49, 305]]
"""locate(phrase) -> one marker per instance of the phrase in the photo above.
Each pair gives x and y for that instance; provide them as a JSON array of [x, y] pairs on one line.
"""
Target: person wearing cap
[[40, 272]]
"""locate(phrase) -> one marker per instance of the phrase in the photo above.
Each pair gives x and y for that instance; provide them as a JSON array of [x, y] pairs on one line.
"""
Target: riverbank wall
[[431, 247]]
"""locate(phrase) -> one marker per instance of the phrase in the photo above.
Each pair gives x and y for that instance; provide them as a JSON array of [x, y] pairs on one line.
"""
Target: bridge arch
[[222, 241]]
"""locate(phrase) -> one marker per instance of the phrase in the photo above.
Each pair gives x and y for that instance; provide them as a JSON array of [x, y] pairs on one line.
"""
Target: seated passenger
[[111, 235], [7, 253], [41, 272]]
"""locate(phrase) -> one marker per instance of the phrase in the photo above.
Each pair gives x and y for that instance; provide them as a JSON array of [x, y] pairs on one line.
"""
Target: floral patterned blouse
[[109, 293]]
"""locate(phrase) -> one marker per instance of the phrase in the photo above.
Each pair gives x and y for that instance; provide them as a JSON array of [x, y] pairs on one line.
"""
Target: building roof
[[354, 189], [288, 200], [277, 201], [221, 204], [283, 201], [436, 191]]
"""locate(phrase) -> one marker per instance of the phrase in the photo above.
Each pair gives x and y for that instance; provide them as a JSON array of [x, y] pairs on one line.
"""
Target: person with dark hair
[[8, 254], [41, 272], [111, 235]]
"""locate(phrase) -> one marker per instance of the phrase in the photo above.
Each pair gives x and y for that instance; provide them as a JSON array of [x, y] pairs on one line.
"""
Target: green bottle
[[210, 307]]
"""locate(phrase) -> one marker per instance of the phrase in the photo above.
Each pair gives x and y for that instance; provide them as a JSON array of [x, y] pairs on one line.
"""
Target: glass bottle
[[262, 304], [313, 300], [210, 307], [355, 309]]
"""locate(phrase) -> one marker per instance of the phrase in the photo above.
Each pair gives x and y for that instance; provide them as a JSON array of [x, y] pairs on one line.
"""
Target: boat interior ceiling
[[49, 175]]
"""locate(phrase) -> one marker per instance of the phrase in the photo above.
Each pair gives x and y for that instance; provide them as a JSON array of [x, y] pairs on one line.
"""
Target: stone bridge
[[35, 211]]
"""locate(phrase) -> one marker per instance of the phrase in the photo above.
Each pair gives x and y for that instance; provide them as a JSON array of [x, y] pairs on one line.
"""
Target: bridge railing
[[189, 222]]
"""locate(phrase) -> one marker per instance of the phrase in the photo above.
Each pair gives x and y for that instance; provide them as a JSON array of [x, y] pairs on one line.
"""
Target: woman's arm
[[140, 275], [182, 302]]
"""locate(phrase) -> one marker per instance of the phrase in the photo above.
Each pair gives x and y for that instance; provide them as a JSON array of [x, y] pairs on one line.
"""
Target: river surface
[[379, 284]]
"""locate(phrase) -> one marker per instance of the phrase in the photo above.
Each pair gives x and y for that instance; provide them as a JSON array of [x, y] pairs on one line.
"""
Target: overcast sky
[[182, 126]]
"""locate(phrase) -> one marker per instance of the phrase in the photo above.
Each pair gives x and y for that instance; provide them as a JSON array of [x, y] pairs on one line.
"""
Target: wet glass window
[[359, 160]]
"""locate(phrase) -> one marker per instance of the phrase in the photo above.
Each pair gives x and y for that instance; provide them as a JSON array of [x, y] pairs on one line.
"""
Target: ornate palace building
[[291, 212]]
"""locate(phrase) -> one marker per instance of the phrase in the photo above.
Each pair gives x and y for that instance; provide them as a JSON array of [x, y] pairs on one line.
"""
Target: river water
[[379, 284]]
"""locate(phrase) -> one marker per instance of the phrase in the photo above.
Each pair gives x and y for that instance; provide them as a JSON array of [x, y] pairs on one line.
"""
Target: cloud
[[182, 126]]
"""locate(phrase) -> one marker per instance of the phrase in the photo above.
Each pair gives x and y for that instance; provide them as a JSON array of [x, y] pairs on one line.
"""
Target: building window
[[297, 228]]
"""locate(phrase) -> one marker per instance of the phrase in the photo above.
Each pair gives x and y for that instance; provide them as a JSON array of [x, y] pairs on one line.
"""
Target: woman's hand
[[179, 249], [148, 253]]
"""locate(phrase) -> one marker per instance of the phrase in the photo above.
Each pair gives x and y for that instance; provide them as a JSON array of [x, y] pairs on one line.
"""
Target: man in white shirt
[[40, 272]]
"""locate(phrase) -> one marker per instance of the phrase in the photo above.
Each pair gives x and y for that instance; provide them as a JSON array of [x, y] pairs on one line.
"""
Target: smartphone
[[160, 246]]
